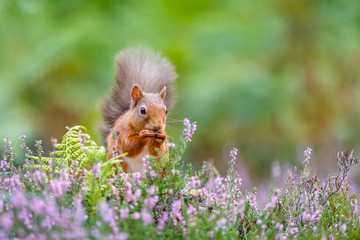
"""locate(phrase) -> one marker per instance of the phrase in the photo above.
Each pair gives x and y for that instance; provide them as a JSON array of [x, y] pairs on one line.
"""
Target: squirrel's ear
[[136, 93], [163, 93]]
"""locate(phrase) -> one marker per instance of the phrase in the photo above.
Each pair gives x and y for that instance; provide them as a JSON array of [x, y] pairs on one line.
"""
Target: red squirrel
[[135, 112]]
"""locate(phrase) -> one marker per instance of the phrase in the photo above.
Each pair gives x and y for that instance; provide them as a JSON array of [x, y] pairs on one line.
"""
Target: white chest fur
[[136, 164]]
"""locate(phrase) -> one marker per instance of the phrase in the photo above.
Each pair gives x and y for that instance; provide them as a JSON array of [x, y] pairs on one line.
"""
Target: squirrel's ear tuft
[[136, 93], [163, 93]]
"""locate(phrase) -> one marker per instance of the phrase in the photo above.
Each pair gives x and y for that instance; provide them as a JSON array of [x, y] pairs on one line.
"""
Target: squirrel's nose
[[157, 125]]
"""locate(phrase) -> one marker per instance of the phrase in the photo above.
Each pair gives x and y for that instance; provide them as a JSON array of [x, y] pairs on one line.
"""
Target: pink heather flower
[[146, 163], [233, 154], [122, 236], [191, 210], [252, 201], [15, 181], [170, 145], [136, 215], [39, 177], [18, 199], [81, 139], [221, 224], [189, 129], [306, 216], [176, 207], [259, 221], [195, 182], [146, 217], [124, 213], [59, 187], [137, 193], [162, 221], [294, 230], [307, 154], [343, 228], [277, 191], [153, 174], [151, 190], [175, 171], [331, 237], [136, 176], [6, 221], [96, 170], [150, 202], [27, 175], [26, 217], [38, 206]]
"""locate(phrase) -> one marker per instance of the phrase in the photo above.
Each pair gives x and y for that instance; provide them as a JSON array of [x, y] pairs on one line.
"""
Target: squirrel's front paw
[[160, 137], [146, 134]]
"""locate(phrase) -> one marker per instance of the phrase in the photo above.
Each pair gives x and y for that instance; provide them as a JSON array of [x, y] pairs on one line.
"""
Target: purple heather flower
[[150, 202], [136, 215], [124, 213], [343, 228], [162, 221], [252, 201], [306, 216], [259, 221], [81, 139], [96, 170], [221, 224], [146, 217], [6, 221], [59, 187], [27, 176], [18, 199], [331, 237], [122, 236], [146, 162], [233, 154], [189, 129], [277, 191], [136, 176], [151, 190], [191, 210], [176, 206], [137, 193], [38, 206], [307, 154], [153, 174], [39, 177], [175, 171], [170, 145], [195, 182]]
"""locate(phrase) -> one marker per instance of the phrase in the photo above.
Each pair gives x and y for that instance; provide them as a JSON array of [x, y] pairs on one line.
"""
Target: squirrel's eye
[[143, 110]]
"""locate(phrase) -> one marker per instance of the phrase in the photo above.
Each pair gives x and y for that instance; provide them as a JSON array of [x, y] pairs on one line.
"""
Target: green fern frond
[[77, 146]]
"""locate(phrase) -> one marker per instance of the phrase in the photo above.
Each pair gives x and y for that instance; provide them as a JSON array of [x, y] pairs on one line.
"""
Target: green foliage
[[76, 148]]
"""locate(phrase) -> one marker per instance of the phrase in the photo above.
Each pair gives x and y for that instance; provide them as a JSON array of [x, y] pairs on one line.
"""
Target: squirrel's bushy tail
[[139, 66]]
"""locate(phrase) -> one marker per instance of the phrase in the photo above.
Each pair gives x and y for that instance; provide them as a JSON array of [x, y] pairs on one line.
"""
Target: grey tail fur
[[139, 66]]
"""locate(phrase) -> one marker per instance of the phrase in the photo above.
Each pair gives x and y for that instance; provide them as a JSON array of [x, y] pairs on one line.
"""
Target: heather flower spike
[[189, 129], [307, 154]]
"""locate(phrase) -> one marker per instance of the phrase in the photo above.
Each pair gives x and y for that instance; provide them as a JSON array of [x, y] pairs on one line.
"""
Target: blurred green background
[[269, 77]]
